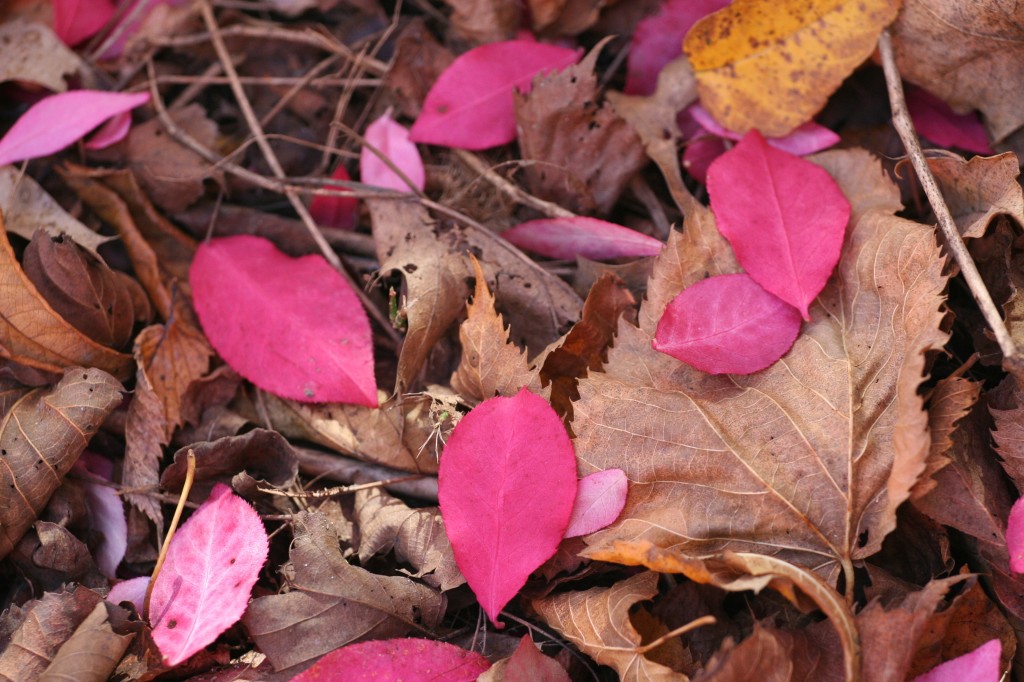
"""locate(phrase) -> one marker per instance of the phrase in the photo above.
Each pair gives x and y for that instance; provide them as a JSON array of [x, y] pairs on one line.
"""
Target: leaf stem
[[682, 630], [190, 475]]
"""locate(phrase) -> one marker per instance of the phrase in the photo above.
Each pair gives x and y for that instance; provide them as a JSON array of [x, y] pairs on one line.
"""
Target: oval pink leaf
[[727, 325], [1015, 536], [785, 218], [77, 20], [566, 238], [339, 212], [292, 326], [471, 104], [506, 487], [807, 139], [111, 132], [600, 498], [937, 121], [391, 139], [58, 120], [133, 591], [410, 660], [106, 511], [980, 665], [204, 585]]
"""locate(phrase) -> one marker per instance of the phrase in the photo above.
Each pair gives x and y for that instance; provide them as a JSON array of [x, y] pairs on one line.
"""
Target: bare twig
[[510, 189], [341, 489], [347, 470]]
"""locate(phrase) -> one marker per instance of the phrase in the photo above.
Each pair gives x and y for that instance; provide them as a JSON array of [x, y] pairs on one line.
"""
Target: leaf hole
[[862, 539], [171, 624]]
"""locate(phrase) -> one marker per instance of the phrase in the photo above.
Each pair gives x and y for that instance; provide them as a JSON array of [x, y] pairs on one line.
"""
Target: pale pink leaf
[[1015, 536], [204, 585], [566, 238], [111, 132], [506, 487], [600, 498], [51, 124], [78, 20], [980, 665], [936, 120], [471, 105], [807, 139], [727, 325], [784, 217], [133, 591], [332, 211], [409, 660], [106, 510], [292, 326], [391, 139]]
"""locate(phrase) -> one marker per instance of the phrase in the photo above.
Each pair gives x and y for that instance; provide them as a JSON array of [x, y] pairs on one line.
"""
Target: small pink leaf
[[980, 665], [1015, 536], [53, 123], [133, 591], [600, 498], [471, 104], [727, 325], [204, 585], [410, 660], [785, 218], [937, 121], [77, 20], [111, 132], [528, 664], [506, 486], [391, 139], [807, 139], [106, 511], [339, 212], [292, 326], [699, 153], [566, 238]]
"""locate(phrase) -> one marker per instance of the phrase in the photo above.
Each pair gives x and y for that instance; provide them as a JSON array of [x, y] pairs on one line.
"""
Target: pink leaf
[[392, 140], [658, 39], [292, 326], [55, 122], [339, 212], [727, 325], [785, 218], [111, 132], [506, 487], [204, 585], [528, 664], [807, 139], [699, 153], [937, 121], [567, 238], [980, 665], [600, 498], [471, 104], [133, 591], [77, 20], [410, 660], [1015, 536], [106, 510]]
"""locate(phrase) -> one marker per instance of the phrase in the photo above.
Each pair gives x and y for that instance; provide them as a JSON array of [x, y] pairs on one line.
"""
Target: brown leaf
[[41, 437], [635, 274], [419, 60], [51, 556], [333, 603], [32, 52], [484, 21], [527, 664], [1006, 404], [978, 190], [565, 17], [950, 402], [92, 652], [583, 153], [145, 435], [766, 655]]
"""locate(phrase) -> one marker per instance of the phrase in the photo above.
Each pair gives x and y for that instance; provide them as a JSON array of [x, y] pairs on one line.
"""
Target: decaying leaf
[[950, 402], [93, 651], [979, 189], [32, 53], [485, 21]]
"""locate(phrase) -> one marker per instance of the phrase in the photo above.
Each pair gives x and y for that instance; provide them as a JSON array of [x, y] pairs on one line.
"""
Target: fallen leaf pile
[[511, 340]]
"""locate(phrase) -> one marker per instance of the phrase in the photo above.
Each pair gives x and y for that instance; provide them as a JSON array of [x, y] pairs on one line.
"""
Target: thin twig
[[297, 87], [341, 489], [320, 82], [510, 189], [347, 470], [190, 476]]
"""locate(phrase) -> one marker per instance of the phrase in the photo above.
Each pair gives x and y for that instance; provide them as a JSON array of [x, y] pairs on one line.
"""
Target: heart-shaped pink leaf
[[292, 326], [785, 218], [506, 486], [391, 139], [1015, 536], [53, 123], [204, 585], [727, 325], [410, 660], [77, 20], [339, 212], [937, 121], [600, 498], [980, 665], [566, 238], [471, 104], [807, 139]]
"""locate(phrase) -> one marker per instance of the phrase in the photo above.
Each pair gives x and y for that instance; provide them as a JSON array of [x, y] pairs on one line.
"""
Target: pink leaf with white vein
[[409, 660], [211, 566], [600, 498], [566, 238], [391, 139], [51, 124], [980, 665], [471, 104], [333, 211], [78, 20], [807, 139]]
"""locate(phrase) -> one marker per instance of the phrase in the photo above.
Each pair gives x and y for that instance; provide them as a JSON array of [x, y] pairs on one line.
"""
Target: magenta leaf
[[980, 665], [506, 486], [937, 121], [77, 20], [339, 212], [566, 238], [807, 139], [292, 326], [111, 132], [785, 218], [106, 511], [58, 120], [391, 139], [133, 591], [471, 104], [699, 153], [410, 660], [600, 498], [1015, 536], [204, 585], [727, 325]]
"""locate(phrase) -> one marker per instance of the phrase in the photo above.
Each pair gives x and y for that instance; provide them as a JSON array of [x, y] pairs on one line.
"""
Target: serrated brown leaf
[[979, 189], [1006, 404], [950, 402], [145, 435], [92, 652]]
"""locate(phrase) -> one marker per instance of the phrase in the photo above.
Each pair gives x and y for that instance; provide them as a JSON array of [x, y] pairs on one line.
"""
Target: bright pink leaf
[[391, 139], [78, 20], [55, 122], [980, 665], [528, 664], [204, 585], [658, 39], [699, 154], [106, 511], [292, 326], [1015, 536], [937, 121], [111, 132], [727, 325], [567, 238], [133, 591], [600, 498], [339, 212], [471, 104], [785, 218], [807, 139], [410, 660], [506, 487]]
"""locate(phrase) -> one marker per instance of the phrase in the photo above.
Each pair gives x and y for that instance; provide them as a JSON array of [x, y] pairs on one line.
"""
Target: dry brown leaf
[[565, 17], [484, 21], [333, 603], [766, 655], [951, 401], [979, 189], [92, 652], [1007, 407], [50, 556], [419, 60], [145, 435], [634, 273], [32, 53]]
